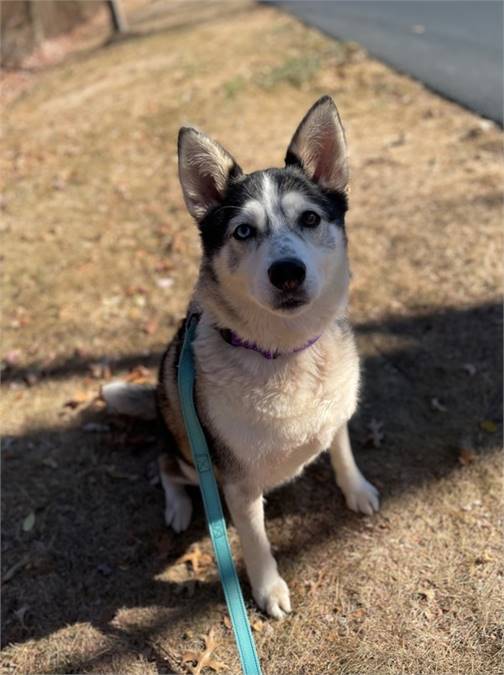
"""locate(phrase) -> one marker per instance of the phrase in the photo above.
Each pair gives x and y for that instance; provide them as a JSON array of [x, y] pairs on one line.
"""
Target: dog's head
[[273, 240]]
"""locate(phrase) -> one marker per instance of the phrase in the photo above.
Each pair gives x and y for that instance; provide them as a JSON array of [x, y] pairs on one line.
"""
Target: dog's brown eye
[[243, 231], [309, 219]]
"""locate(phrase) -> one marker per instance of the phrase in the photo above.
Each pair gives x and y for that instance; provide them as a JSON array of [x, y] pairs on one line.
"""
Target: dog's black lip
[[291, 303]]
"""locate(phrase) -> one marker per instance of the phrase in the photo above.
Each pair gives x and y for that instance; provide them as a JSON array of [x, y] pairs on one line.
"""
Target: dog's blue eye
[[309, 219], [243, 231]]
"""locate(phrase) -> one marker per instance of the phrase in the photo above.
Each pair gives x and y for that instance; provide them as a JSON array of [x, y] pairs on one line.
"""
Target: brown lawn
[[99, 259]]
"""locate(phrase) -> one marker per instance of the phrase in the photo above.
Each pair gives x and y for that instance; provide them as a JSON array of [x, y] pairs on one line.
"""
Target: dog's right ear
[[205, 170]]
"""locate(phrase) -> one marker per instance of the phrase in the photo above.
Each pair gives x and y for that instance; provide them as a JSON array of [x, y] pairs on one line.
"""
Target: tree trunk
[[36, 23], [25, 24], [117, 16]]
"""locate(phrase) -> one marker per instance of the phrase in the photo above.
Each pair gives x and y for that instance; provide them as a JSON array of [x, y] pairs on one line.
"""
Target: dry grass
[[93, 220]]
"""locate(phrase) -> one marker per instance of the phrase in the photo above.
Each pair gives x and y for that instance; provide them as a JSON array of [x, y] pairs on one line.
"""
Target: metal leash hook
[[213, 507]]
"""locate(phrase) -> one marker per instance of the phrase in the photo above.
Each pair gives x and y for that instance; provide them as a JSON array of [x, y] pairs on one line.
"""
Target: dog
[[277, 371]]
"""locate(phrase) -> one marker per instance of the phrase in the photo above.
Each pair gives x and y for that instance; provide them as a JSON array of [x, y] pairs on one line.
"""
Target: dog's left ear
[[205, 170], [319, 146]]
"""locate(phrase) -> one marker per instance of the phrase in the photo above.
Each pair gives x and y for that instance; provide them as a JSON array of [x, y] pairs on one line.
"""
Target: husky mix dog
[[277, 372]]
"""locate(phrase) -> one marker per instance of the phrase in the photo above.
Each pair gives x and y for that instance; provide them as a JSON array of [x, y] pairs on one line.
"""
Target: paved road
[[454, 46]]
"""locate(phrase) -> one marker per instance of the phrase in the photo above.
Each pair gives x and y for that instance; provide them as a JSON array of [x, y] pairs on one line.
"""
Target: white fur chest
[[275, 416]]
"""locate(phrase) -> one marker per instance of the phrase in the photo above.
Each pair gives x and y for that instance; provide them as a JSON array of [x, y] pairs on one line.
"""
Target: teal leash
[[213, 508]]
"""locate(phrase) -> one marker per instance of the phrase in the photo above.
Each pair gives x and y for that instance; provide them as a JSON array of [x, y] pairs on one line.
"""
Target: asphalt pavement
[[454, 46]]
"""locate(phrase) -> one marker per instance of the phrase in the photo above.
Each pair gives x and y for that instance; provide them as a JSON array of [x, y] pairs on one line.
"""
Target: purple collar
[[235, 341]]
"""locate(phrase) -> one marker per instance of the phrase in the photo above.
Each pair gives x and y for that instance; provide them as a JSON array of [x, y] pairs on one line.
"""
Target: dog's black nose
[[287, 274]]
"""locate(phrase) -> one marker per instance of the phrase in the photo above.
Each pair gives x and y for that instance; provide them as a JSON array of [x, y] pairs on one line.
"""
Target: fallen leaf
[[430, 613], [268, 630], [50, 462], [204, 659], [376, 434], [163, 266], [14, 569], [437, 405], [486, 125], [29, 522], [427, 593], [59, 182], [489, 426], [164, 282], [484, 558], [197, 558], [359, 614], [13, 357], [21, 613], [471, 505], [136, 290], [150, 327], [100, 371], [257, 625], [79, 398], [398, 140], [119, 475], [469, 368], [139, 375], [466, 456]]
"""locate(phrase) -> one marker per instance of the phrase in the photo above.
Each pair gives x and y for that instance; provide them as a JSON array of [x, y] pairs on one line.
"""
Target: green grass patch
[[234, 86], [294, 71]]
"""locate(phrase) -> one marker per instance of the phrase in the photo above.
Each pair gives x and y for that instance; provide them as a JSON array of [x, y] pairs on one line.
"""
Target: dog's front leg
[[360, 495], [269, 589]]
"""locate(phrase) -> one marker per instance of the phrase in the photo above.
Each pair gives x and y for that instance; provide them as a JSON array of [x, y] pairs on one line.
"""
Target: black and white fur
[[266, 419]]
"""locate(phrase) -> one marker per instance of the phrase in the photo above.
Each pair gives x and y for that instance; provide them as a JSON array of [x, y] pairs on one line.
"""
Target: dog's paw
[[273, 597], [178, 513], [361, 496]]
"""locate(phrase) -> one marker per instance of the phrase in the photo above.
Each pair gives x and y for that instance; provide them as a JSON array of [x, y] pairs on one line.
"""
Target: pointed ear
[[319, 146], [205, 169]]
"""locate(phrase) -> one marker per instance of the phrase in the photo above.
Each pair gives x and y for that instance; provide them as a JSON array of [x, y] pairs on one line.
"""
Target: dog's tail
[[133, 400]]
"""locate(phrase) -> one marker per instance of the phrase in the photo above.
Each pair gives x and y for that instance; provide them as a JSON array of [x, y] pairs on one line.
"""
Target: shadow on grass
[[145, 23], [99, 539]]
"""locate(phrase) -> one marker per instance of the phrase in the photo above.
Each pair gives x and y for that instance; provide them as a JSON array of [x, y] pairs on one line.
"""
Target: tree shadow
[[145, 22], [99, 543], [77, 364]]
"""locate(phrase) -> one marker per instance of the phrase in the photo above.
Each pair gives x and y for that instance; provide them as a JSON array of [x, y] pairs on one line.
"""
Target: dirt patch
[[99, 261]]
